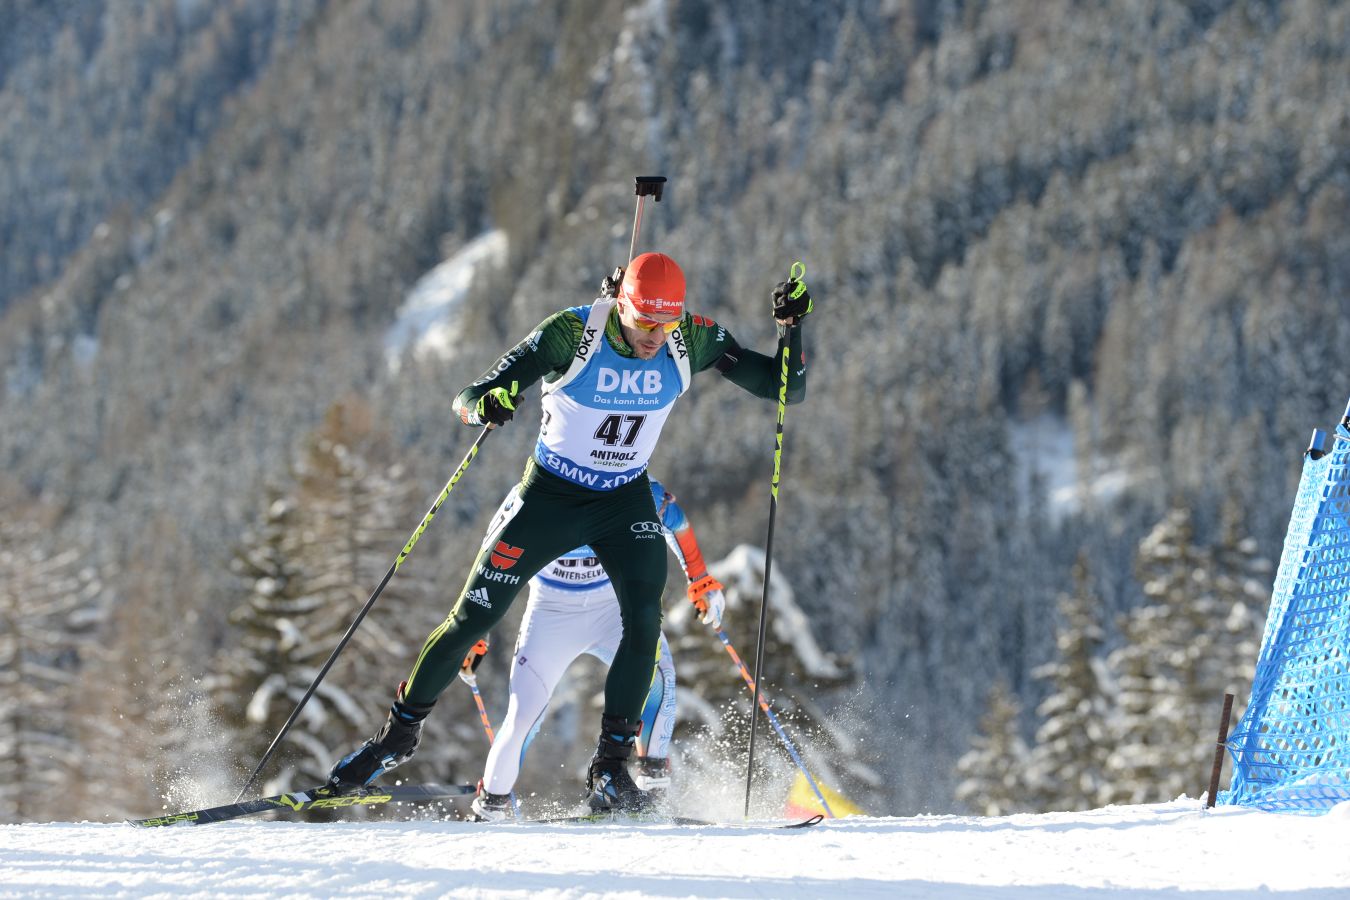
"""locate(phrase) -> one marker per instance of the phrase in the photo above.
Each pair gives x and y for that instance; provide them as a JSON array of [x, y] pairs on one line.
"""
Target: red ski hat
[[654, 286]]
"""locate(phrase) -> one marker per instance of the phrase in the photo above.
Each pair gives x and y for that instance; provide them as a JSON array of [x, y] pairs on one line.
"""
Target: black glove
[[497, 406], [791, 302], [610, 286]]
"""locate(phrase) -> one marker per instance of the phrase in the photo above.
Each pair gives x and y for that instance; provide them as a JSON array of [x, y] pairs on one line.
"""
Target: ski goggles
[[642, 323]]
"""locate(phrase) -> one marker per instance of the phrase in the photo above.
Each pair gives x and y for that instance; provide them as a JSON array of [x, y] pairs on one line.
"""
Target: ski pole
[[796, 273], [773, 720], [642, 186], [482, 712], [351, 630]]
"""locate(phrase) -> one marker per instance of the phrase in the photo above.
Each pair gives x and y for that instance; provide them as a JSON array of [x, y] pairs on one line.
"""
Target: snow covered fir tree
[[51, 604], [1080, 285], [994, 769], [1073, 741], [1194, 639], [1122, 726], [304, 571]]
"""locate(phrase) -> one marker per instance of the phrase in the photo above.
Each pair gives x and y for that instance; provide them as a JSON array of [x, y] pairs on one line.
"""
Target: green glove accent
[[796, 274], [497, 406], [790, 299]]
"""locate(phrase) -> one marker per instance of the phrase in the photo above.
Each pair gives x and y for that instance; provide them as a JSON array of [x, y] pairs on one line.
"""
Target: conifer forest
[[1081, 275]]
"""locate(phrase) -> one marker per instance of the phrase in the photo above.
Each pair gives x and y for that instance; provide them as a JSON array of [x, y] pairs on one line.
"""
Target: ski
[[322, 797], [630, 819]]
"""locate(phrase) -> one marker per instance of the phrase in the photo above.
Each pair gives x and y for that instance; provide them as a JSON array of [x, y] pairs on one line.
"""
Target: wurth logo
[[479, 596], [499, 577], [504, 556]]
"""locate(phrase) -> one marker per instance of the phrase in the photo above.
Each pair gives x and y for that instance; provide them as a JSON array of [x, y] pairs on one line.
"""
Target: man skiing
[[612, 371], [573, 610]]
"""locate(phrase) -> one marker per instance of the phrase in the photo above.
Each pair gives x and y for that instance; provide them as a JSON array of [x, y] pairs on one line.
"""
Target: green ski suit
[[562, 507]]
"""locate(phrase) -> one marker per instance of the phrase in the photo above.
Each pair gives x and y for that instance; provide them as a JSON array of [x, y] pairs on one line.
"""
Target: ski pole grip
[[798, 273], [649, 186]]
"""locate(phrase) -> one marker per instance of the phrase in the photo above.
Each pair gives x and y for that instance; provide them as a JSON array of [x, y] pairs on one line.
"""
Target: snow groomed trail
[[1131, 851]]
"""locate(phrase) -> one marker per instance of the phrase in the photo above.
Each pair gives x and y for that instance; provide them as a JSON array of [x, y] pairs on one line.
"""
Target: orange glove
[[469, 668], [706, 595]]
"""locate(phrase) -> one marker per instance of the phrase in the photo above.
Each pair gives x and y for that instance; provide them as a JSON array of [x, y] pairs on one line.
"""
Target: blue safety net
[[1291, 749]]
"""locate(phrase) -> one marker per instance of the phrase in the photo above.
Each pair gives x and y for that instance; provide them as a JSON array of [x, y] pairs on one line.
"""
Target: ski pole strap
[[797, 273]]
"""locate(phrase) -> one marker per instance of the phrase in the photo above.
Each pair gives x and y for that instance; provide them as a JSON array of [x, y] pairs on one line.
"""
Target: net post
[[1317, 445], [1218, 751]]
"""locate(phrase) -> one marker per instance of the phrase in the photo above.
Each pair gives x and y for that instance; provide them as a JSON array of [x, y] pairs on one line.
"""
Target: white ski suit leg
[[556, 630], [552, 635]]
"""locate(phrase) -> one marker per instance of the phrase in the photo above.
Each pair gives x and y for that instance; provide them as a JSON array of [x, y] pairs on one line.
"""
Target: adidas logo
[[479, 596]]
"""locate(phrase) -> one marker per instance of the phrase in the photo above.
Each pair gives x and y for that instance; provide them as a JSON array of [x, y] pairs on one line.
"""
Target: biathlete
[[573, 610], [611, 373]]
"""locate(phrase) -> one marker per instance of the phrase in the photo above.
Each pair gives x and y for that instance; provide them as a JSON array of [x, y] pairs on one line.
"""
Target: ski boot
[[491, 807], [653, 776], [610, 785], [393, 744]]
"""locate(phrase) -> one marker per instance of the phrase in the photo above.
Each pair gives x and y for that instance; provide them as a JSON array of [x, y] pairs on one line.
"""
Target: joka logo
[[627, 382], [677, 338], [585, 349], [479, 596], [504, 556], [647, 528]]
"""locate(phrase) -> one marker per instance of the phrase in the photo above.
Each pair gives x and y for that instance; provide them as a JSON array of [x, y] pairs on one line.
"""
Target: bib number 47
[[618, 429]]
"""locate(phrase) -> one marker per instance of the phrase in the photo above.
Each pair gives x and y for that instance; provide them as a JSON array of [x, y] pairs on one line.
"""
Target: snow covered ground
[[1132, 851]]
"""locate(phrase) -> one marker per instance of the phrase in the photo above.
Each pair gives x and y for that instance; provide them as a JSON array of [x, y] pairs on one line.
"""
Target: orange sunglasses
[[642, 323], [648, 325]]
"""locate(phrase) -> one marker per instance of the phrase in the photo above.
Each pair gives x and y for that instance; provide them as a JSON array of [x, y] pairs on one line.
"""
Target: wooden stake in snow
[[1218, 751]]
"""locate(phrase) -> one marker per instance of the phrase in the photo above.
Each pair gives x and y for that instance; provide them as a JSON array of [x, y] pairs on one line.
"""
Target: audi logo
[[647, 528]]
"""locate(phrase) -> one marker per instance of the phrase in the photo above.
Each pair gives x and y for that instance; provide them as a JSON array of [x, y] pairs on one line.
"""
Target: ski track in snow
[[1160, 850]]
